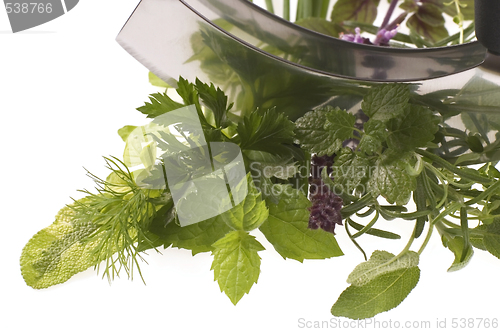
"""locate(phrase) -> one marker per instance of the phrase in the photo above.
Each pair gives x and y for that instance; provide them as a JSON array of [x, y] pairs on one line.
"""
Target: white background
[[66, 87]]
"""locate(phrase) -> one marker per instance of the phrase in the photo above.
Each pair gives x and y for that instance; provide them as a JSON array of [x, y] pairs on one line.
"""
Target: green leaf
[[386, 101], [269, 165], [381, 262], [487, 237], [413, 128], [340, 124], [159, 104], [59, 251], [156, 81], [312, 135], [364, 11], [287, 229], [390, 179], [267, 130], [428, 23], [456, 245], [197, 237], [374, 134], [349, 170], [380, 294], [125, 131], [236, 264], [321, 25], [215, 100], [250, 213]]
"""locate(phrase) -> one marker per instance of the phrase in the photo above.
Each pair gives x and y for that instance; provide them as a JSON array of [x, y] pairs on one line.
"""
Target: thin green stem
[[269, 6], [426, 240], [286, 10], [307, 8]]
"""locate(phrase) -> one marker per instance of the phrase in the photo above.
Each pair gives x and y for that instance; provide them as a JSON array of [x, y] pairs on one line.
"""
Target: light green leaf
[[374, 134], [488, 237], [287, 229], [340, 123], [250, 213], [59, 251], [378, 264], [413, 128], [312, 135], [197, 237], [349, 170], [125, 131], [236, 264], [156, 81], [364, 11], [386, 101], [391, 180], [382, 293], [456, 245]]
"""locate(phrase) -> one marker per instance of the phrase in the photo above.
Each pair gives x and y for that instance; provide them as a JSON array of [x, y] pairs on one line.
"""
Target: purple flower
[[384, 36], [355, 38]]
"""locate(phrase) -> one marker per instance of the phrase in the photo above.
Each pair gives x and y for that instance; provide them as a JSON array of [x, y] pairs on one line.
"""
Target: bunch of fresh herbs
[[309, 175]]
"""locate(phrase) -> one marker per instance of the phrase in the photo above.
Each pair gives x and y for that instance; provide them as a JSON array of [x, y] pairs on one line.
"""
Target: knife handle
[[487, 24]]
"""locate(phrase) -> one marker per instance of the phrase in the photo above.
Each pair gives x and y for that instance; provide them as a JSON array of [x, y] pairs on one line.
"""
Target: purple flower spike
[[384, 36]]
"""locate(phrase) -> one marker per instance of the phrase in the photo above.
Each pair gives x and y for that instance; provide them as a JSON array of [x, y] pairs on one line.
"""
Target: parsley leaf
[[215, 100], [266, 130], [287, 229], [312, 135], [159, 104], [413, 128], [386, 101], [236, 263]]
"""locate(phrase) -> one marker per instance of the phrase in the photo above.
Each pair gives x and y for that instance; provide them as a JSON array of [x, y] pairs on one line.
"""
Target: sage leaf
[[378, 265], [380, 294]]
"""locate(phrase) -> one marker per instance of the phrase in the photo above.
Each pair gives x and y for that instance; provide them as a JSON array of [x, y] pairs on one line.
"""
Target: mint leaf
[[378, 264], [413, 128], [456, 245], [159, 104], [312, 135], [321, 25], [340, 124], [380, 294], [59, 251], [390, 179], [349, 170], [364, 11], [236, 264], [386, 101], [197, 237], [215, 100], [374, 134], [287, 229], [266, 130], [269, 165], [250, 213]]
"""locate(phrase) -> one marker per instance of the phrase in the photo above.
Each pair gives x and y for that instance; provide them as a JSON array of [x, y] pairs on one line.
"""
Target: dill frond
[[122, 212]]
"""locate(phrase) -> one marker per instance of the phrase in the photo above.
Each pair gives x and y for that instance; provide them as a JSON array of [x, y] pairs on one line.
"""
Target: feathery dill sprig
[[122, 212]]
